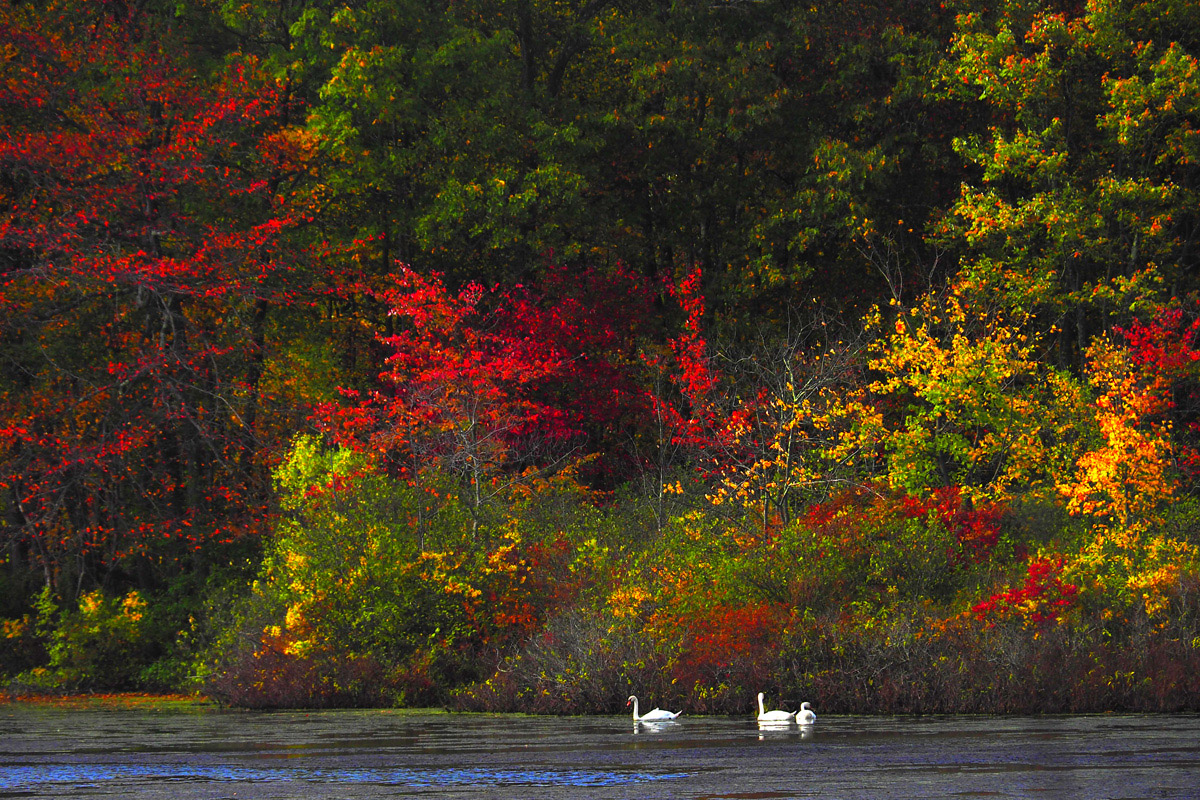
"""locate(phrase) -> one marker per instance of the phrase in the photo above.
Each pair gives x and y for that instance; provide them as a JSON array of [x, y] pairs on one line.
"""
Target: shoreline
[[109, 700], [198, 702]]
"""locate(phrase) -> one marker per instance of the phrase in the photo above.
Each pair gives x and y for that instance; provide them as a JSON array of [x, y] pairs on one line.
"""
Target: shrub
[[584, 661], [98, 645]]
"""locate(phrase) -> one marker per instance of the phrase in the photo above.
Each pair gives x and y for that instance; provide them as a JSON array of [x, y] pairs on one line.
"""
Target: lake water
[[48, 752]]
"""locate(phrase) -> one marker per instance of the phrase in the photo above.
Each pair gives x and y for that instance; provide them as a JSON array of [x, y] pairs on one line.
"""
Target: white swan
[[806, 716], [657, 715], [776, 717]]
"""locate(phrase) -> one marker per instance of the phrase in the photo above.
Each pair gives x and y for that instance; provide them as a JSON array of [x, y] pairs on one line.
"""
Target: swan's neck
[[761, 708], [635, 708]]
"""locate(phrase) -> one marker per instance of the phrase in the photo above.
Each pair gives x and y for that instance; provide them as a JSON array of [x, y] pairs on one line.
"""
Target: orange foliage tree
[[1124, 480]]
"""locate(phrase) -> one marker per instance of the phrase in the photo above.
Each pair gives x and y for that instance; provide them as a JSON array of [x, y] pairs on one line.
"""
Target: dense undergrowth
[[874, 603]]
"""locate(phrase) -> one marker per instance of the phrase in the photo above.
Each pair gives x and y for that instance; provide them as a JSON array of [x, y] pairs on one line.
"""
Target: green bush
[[98, 645], [366, 577]]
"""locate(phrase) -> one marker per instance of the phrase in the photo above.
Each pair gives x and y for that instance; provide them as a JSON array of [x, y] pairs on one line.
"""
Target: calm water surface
[[65, 753]]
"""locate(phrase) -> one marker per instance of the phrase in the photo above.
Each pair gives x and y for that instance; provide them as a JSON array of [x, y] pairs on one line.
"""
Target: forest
[[518, 355]]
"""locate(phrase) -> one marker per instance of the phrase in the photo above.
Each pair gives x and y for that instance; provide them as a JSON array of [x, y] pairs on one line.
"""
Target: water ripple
[[25, 777]]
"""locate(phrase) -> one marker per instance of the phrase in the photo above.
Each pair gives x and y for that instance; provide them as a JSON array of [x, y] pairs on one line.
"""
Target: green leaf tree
[[1083, 203]]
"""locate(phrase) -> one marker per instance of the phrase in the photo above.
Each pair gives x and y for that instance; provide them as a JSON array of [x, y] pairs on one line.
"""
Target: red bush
[[1043, 598]]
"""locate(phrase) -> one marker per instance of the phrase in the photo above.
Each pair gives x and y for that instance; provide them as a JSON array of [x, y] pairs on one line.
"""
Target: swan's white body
[[777, 717], [657, 715], [806, 716]]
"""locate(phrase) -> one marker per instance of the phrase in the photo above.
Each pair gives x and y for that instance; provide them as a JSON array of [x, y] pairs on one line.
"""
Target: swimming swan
[[773, 716], [806, 716], [657, 715]]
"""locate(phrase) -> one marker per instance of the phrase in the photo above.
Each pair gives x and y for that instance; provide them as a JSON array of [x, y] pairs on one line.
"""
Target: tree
[[437, 122], [492, 387], [140, 238], [787, 454], [963, 398], [1125, 478], [1083, 202], [761, 429], [474, 139]]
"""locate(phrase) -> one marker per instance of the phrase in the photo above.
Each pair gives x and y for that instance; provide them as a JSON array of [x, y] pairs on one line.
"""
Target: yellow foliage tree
[[781, 448], [963, 398]]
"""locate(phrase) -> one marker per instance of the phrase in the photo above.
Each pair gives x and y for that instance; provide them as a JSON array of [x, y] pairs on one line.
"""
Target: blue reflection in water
[[25, 777], [47, 753]]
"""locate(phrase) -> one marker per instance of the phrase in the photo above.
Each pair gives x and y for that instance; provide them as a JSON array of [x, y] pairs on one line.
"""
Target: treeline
[[508, 354]]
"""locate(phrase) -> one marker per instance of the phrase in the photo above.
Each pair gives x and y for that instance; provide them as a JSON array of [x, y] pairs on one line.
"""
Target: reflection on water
[[767, 730], [59, 753], [656, 726]]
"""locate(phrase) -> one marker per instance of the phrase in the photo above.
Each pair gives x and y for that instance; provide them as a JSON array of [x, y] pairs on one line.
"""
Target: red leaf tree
[[1166, 349], [492, 387], [139, 262]]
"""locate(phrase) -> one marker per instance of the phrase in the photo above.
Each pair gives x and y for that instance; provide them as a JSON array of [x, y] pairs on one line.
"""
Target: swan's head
[[804, 706], [632, 699]]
